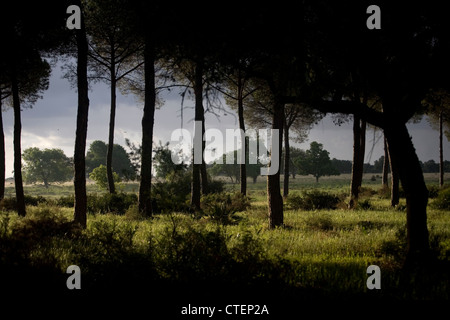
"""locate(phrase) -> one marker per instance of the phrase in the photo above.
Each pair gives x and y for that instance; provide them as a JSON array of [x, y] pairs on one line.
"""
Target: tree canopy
[[121, 163], [316, 162], [47, 165]]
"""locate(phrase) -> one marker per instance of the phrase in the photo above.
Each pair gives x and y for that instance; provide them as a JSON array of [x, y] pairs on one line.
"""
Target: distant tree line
[[345, 166]]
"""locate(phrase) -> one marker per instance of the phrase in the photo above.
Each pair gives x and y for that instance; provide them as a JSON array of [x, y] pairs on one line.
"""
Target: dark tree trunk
[[145, 203], [243, 167], [404, 159], [287, 159], [384, 180], [275, 200], [441, 150], [395, 181], [81, 131], [112, 117], [20, 198], [358, 161], [2, 153], [199, 178]]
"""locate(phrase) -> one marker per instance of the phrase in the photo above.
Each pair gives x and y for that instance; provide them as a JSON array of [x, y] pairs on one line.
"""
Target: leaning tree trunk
[[20, 198], [404, 158], [81, 131], [148, 117], [274, 198], [112, 117], [2, 153]]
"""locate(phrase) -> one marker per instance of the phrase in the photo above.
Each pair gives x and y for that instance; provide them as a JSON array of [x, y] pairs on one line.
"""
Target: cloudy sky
[[51, 123]]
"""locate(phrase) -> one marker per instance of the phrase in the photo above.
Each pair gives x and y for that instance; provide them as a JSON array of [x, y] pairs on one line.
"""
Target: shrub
[[221, 207], [66, 201], [172, 194], [99, 175], [117, 203], [443, 200], [313, 200], [195, 254], [433, 191], [10, 204], [215, 186]]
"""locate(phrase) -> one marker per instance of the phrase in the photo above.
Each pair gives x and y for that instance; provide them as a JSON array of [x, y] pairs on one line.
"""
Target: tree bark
[[243, 166], [287, 158], [404, 158], [2, 153], [112, 117], [275, 200], [441, 150], [80, 216], [358, 161], [148, 118], [199, 178], [395, 181], [20, 198], [384, 180]]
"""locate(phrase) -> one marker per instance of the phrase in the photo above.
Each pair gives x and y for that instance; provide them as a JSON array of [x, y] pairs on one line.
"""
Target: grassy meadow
[[318, 254]]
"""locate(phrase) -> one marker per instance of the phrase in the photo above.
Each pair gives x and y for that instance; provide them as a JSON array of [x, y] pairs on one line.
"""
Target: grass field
[[319, 254]]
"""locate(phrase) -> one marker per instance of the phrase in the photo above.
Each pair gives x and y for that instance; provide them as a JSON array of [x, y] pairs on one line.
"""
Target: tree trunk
[[20, 198], [404, 159], [2, 153], [112, 117], [275, 200], [148, 117], [395, 181], [82, 126], [243, 166], [384, 180], [199, 178], [358, 163], [287, 158], [441, 150]]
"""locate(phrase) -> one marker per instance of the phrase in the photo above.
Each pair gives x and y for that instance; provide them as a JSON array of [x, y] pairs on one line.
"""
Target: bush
[[443, 200], [221, 207], [313, 200], [66, 201], [215, 186], [117, 203], [10, 204], [99, 175], [172, 195]]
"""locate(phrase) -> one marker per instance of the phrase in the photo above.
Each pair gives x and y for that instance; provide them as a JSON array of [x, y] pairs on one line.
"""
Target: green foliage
[[443, 199], [172, 194], [312, 200], [164, 165], [316, 162], [10, 204], [121, 164], [99, 175], [117, 203], [48, 165], [221, 207]]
